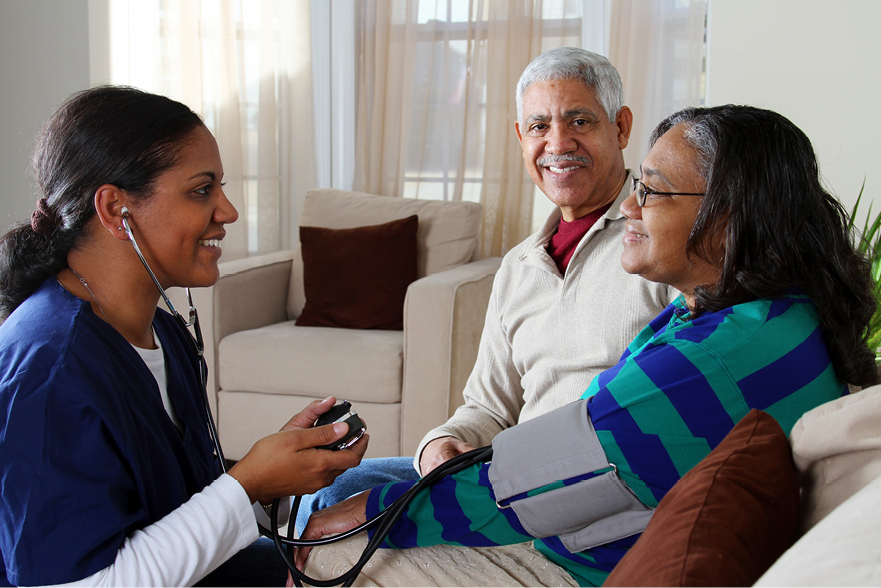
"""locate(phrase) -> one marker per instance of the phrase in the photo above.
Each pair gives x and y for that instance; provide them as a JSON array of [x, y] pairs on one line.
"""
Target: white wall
[[44, 57], [819, 64]]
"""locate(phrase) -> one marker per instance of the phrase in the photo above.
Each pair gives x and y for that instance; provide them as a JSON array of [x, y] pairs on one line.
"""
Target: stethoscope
[[384, 521], [194, 338]]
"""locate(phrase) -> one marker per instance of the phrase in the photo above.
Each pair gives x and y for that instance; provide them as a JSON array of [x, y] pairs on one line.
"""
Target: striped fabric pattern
[[678, 389]]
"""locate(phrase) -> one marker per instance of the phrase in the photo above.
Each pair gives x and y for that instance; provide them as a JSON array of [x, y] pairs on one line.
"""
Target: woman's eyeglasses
[[642, 192]]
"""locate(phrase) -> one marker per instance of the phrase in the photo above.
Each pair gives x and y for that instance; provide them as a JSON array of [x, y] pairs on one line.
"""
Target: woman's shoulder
[[761, 314], [794, 300], [793, 310], [752, 334], [50, 331], [45, 319]]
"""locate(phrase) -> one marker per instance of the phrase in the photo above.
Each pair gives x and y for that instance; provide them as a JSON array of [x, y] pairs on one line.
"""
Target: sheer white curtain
[[435, 93], [436, 105], [245, 66], [658, 47], [436, 102]]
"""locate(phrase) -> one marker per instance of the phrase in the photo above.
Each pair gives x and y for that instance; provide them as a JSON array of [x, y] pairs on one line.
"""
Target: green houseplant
[[868, 242]]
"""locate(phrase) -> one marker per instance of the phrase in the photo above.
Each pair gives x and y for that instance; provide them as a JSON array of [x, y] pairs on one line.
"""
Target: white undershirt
[[155, 360]]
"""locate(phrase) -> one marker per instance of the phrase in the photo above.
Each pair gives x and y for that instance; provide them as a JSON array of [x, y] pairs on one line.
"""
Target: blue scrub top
[[88, 453]]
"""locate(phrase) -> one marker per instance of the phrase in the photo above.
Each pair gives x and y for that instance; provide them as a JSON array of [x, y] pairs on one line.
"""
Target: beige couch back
[[448, 234]]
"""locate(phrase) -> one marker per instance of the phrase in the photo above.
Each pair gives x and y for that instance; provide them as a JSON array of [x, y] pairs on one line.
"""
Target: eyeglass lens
[[639, 188]]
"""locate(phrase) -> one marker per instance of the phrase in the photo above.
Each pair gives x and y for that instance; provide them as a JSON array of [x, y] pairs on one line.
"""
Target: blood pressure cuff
[[554, 473]]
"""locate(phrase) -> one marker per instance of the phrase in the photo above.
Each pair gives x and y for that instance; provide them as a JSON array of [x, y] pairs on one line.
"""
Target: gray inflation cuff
[[553, 472]]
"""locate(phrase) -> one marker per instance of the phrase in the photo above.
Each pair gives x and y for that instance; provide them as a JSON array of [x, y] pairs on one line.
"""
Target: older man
[[562, 309]]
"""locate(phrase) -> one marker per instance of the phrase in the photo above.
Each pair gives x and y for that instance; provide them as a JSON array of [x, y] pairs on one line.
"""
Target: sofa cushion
[[837, 450], [843, 549], [243, 418], [355, 364], [727, 520], [357, 278]]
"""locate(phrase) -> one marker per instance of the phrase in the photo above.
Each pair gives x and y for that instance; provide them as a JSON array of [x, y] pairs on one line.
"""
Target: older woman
[[730, 211]]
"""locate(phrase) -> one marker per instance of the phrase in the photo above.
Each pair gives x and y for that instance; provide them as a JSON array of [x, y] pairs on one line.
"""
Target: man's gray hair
[[575, 63]]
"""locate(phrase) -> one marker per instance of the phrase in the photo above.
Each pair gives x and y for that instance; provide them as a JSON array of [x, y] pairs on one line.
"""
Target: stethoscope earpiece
[[125, 214], [125, 226]]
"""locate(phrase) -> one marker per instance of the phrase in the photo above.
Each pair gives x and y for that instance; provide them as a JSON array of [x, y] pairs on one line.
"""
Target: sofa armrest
[[249, 294], [443, 320]]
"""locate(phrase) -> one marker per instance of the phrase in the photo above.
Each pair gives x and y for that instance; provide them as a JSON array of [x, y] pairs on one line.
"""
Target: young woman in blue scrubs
[[107, 470]]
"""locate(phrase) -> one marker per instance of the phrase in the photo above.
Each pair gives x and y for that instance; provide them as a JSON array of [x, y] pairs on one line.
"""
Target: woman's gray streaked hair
[[575, 63], [697, 132]]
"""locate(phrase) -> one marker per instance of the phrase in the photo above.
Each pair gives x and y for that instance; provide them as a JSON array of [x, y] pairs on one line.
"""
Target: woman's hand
[[287, 463], [335, 519]]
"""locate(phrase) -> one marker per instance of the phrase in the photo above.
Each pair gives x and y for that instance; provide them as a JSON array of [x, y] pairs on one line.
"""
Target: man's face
[[570, 148]]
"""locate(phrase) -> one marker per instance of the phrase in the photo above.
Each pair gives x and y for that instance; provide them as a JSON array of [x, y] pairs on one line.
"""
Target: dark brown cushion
[[727, 520], [357, 278]]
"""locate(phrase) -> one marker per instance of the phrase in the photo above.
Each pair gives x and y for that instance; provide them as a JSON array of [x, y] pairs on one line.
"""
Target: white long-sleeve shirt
[[188, 543]]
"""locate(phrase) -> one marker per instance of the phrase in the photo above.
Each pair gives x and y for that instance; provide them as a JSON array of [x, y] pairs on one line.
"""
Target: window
[[444, 118], [226, 60], [250, 67], [444, 29]]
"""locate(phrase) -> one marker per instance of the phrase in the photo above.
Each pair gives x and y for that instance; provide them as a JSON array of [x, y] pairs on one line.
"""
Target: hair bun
[[44, 220]]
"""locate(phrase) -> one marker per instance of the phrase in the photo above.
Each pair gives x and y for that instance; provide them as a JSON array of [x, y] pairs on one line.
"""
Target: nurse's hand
[[335, 519], [287, 463]]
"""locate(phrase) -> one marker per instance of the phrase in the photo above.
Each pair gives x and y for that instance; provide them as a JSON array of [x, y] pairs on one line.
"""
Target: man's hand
[[441, 450], [287, 463], [335, 519]]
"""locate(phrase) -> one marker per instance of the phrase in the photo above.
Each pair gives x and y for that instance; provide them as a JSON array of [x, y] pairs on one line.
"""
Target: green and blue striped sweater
[[678, 389]]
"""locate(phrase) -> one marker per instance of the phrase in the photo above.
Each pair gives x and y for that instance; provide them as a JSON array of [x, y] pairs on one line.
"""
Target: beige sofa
[[263, 368], [837, 451]]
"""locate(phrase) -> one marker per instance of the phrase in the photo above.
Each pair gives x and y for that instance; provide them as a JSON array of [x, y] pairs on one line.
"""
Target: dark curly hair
[[106, 135], [783, 229]]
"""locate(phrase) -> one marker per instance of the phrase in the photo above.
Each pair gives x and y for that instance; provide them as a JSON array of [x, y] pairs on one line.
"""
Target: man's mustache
[[552, 159]]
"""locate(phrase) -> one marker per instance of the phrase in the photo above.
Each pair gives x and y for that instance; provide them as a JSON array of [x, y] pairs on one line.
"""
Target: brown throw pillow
[[727, 520], [357, 278]]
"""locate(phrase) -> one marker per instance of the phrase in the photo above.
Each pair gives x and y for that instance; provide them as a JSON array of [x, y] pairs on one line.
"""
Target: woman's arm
[[187, 544], [217, 522], [193, 538], [458, 509]]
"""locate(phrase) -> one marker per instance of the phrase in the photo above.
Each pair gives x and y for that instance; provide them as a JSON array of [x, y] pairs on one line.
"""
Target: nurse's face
[[180, 228]]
